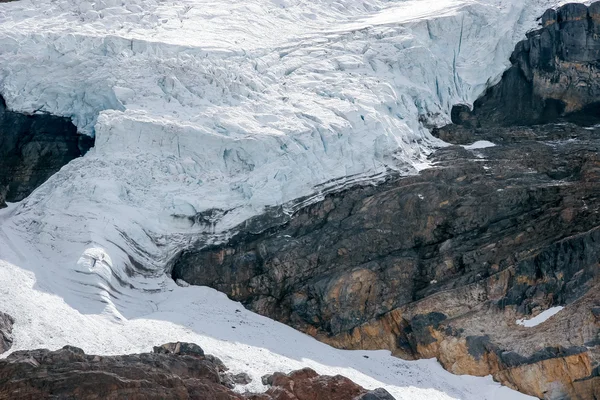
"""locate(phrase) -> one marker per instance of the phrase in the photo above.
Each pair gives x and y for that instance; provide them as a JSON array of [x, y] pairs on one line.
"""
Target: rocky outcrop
[[443, 264], [33, 148], [172, 371], [306, 384], [6, 324], [555, 73]]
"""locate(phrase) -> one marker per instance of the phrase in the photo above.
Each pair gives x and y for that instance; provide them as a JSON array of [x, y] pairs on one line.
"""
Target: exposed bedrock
[[33, 148], [6, 323], [555, 73], [443, 264], [172, 371]]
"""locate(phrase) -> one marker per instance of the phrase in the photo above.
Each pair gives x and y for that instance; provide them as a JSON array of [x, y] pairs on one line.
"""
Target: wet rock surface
[[172, 371], [33, 148], [444, 263], [6, 323]]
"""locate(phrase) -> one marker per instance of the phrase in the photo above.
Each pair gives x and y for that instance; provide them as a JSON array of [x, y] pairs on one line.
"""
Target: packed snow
[[541, 317], [234, 106], [480, 144]]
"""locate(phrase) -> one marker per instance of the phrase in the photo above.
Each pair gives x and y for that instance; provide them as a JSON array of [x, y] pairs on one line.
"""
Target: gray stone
[[33, 148], [6, 339]]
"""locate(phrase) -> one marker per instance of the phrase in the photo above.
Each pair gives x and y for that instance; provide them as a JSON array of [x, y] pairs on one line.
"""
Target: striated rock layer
[[443, 264], [172, 371], [33, 148]]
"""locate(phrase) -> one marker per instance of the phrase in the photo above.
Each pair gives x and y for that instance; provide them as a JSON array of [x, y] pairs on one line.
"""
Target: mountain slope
[[204, 113]]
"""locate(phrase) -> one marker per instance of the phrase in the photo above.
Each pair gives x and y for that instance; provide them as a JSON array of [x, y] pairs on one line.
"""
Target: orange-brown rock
[[306, 384], [443, 264], [172, 371]]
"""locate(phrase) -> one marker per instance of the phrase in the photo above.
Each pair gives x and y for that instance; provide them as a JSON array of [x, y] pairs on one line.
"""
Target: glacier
[[229, 106]]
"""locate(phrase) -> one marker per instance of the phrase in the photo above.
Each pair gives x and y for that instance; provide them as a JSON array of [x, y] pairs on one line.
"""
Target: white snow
[[480, 144], [246, 342], [541, 317], [199, 104]]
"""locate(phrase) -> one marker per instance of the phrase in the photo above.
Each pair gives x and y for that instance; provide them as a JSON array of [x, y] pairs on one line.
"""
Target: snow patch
[[542, 317], [480, 144]]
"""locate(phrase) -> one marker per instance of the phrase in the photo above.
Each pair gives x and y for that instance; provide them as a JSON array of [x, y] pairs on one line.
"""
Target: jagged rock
[[70, 373], [555, 73], [173, 371], [33, 148], [306, 384], [230, 380], [242, 378], [182, 348], [441, 264], [6, 323]]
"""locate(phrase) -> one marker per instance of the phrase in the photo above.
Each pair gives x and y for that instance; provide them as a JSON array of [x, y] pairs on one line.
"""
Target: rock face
[[443, 264], [555, 72], [33, 148], [6, 323], [172, 371]]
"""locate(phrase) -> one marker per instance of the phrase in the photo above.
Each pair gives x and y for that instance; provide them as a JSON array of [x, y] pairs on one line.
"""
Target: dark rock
[[69, 373], [420, 326], [221, 367], [377, 394], [242, 378], [230, 380], [307, 384], [33, 148], [6, 323], [182, 348], [478, 346], [443, 264], [267, 380], [554, 74]]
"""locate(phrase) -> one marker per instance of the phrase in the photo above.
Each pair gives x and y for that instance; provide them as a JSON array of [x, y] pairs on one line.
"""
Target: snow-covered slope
[[215, 104], [245, 341]]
